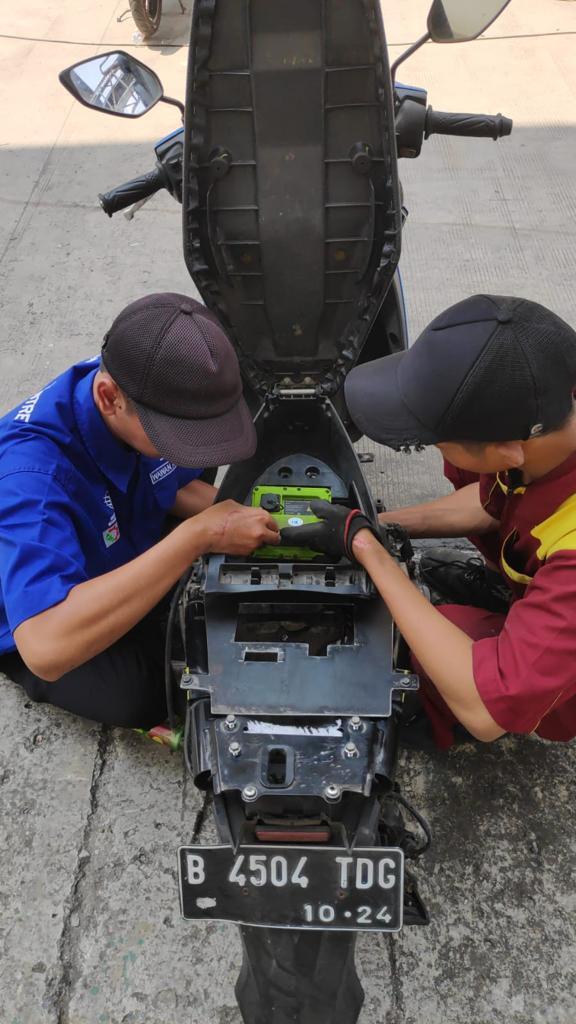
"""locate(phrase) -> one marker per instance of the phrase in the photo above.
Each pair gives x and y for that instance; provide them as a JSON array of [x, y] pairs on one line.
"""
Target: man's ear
[[107, 395], [510, 453]]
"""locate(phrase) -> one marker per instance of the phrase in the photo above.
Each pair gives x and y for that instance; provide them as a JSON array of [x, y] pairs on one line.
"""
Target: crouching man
[[490, 383], [90, 468]]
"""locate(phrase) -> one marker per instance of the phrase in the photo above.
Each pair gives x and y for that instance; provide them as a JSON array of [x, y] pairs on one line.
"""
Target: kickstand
[[182, 8], [124, 15]]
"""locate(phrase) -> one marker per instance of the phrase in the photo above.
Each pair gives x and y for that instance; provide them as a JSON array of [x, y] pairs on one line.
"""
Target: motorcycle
[[290, 666], [146, 15]]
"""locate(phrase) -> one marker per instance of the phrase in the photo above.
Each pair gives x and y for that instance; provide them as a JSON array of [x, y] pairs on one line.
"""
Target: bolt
[[230, 722], [350, 750], [355, 723], [332, 791], [249, 793], [235, 749]]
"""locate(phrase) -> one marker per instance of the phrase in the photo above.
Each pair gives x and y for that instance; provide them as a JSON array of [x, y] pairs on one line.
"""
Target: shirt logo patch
[[161, 472], [111, 534]]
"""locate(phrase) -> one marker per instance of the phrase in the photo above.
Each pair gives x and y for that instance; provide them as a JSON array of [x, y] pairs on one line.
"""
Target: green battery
[[289, 506]]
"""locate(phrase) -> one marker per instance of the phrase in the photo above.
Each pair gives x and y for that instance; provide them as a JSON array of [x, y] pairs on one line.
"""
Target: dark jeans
[[122, 686]]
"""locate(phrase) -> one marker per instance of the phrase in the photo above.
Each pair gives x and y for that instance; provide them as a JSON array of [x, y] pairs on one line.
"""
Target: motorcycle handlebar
[[132, 191], [482, 126]]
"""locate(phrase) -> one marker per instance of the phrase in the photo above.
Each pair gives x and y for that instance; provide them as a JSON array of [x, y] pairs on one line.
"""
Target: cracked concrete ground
[[90, 819]]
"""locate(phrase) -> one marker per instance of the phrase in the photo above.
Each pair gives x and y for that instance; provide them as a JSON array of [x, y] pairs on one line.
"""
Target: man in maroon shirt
[[490, 383]]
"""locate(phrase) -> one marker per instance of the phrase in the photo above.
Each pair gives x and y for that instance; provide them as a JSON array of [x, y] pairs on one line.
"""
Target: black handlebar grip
[[132, 191], [482, 126]]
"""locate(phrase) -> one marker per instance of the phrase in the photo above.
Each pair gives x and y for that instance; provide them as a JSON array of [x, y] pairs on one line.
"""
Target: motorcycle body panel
[[291, 201]]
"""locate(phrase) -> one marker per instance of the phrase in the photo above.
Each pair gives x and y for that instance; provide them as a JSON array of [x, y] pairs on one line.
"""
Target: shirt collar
[[564, 469], [507, 485], [114, 459]]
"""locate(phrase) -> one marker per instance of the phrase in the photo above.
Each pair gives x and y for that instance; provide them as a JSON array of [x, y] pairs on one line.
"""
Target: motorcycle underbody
[[292, 222]]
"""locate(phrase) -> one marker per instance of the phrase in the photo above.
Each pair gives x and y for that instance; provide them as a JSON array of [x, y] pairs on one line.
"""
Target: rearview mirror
[[115, 83], [457, 21]]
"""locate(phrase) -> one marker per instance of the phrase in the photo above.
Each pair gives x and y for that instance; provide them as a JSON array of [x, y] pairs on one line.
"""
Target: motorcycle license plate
[[294, 887]]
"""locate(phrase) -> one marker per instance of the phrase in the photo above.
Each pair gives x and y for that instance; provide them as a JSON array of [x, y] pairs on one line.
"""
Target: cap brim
[[197, 444], [375, 403]]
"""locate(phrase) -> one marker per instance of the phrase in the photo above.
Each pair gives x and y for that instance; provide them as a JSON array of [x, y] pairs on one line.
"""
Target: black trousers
[[122, 686]]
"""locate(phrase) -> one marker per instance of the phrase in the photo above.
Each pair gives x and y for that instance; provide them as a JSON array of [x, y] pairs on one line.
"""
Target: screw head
[[249, 793], [355, 723], [235, 749], [230, 722], [350, 750], [332, 791]]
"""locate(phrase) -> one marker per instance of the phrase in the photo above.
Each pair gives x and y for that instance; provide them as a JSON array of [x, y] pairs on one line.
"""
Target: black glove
[[334, 534]]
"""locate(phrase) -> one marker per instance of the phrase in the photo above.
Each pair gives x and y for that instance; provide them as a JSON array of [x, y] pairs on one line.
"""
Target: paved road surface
[[90, 819]]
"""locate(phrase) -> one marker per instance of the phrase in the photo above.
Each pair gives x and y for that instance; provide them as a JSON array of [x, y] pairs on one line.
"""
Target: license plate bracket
[[286, 886]]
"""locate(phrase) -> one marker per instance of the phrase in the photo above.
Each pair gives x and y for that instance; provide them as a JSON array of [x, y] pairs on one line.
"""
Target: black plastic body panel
[[263, 678], [287, 429], [291, 201], [315, 758]]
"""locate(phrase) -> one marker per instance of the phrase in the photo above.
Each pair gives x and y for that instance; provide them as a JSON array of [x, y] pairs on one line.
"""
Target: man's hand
[[333, 535], [233, 529]]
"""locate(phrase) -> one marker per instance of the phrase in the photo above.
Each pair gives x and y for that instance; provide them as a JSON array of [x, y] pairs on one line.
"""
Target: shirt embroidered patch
[[112, 533], [161, 472]]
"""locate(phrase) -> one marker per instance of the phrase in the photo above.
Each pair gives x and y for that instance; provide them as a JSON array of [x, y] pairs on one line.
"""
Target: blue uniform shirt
[[74, 501]]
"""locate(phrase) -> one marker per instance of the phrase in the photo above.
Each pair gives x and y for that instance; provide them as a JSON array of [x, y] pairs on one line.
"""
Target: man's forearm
[[98, 612], [443, 650], [193, 498], [454, 515]]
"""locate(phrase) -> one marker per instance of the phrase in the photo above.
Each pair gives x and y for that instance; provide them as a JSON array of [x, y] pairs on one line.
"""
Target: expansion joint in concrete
[[61, 990], [397, 1006]]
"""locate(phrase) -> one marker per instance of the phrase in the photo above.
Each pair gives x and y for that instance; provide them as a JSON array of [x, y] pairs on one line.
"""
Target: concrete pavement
[[90, 818]]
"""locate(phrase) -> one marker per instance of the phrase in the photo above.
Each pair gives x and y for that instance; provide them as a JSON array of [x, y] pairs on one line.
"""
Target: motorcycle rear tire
[[298, 977], [146, 15]]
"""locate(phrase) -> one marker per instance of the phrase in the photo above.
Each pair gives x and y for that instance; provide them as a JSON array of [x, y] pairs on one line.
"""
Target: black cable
[[168, 682], [187, 761], [395, 795]]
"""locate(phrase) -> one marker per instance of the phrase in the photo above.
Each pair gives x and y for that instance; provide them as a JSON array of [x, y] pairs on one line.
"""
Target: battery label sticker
[[296, 507]]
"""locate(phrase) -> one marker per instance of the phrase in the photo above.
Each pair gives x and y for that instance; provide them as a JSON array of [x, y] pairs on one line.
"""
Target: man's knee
[[477, 623], [120, 687]]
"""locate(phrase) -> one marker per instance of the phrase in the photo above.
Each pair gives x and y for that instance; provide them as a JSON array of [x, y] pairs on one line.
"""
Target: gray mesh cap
[[490, 368], [172, 358]]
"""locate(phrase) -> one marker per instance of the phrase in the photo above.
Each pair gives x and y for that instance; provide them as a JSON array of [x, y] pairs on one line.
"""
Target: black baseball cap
[[490, 368], [171, 357]]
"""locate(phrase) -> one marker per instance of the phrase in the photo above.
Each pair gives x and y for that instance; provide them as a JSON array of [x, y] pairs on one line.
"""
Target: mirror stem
[[408, 53], [174, 103]]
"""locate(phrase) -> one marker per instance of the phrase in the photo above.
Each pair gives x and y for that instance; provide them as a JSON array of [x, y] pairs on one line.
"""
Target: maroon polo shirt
[[526, 675]]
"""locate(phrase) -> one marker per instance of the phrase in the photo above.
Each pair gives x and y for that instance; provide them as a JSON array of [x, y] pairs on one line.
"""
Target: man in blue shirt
[[90, 467]]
